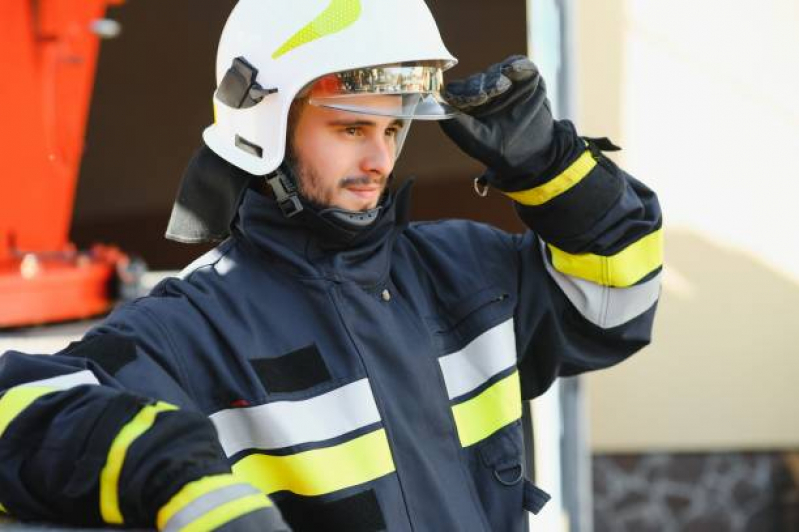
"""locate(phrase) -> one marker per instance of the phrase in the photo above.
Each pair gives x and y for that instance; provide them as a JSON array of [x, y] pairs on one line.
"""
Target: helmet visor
[[412, 92]]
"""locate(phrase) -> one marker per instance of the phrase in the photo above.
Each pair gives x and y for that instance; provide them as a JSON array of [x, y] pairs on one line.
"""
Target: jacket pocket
[[497, 465], [470, 305], [458, 322]]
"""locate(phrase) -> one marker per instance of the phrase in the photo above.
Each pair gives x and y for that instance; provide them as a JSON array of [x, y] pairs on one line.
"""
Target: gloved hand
[[506, 122]]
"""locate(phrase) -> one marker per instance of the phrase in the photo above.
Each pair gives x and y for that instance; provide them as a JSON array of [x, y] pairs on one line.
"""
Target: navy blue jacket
[[370, 382]]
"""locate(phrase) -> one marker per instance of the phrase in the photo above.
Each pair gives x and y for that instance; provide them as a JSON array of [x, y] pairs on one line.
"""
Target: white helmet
[[270, 50]]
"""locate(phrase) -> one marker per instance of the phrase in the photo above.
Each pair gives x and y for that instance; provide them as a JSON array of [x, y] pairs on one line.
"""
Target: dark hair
[[295, 111]]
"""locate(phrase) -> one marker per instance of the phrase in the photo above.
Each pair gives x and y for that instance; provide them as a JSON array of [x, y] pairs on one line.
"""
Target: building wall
[[702, 97]]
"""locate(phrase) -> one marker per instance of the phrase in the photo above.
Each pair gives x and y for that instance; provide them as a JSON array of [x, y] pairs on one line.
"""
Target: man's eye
[[392, 132], [352, 131]]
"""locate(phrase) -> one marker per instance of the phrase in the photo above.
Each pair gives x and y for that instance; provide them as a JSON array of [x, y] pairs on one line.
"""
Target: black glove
[[506, 122]]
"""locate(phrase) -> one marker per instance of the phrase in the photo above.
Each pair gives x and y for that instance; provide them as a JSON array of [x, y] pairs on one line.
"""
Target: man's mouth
[[366, 192], [363, 187]]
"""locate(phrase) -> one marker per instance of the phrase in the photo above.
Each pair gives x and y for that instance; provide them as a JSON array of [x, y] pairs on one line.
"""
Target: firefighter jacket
[[362, 383]]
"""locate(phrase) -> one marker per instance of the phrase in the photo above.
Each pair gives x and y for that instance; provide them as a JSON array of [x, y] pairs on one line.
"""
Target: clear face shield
[[403, 92]]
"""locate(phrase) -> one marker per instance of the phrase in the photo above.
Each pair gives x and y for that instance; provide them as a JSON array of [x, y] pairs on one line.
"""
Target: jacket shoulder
[[459, 230]]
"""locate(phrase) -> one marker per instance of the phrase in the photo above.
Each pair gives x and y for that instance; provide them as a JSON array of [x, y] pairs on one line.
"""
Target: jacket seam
[[184, 374], [378, 401]]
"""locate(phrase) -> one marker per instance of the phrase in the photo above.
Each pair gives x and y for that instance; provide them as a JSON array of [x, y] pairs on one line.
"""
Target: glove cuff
[[542, 166]]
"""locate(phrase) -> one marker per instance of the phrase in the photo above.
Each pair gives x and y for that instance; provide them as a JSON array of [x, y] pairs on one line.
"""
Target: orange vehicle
[[48, 50]]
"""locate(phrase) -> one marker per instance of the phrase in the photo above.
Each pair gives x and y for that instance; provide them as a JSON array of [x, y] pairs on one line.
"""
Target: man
[[363, 372]]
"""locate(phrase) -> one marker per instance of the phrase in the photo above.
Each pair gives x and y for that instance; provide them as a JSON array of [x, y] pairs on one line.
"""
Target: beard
[[313, 188]]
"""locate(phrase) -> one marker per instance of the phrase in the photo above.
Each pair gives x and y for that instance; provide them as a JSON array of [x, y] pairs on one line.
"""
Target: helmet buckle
[[285, 194], [239, 89]]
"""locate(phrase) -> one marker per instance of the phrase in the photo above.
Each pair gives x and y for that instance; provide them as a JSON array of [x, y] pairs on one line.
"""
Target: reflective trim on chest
[[483, 384], [309, 447]]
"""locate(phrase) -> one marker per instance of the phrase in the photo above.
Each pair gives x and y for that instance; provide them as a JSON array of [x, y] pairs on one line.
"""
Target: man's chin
[[358, 202]]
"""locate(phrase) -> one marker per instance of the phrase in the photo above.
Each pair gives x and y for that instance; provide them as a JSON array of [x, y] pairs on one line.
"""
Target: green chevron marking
[[339, 15]]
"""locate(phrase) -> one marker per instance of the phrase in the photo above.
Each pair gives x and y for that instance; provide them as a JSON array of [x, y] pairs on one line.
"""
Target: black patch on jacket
[[294, 372], [110, 351], [357, 513]]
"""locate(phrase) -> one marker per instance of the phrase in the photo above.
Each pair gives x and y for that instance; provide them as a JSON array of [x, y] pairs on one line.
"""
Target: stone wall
[[709, 492]]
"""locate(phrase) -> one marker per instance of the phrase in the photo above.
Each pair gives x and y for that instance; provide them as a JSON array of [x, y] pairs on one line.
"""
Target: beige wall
[[703, 97]]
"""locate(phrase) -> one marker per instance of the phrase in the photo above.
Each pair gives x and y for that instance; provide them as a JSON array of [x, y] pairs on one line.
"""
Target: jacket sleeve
[[101, 433], [596, 232]]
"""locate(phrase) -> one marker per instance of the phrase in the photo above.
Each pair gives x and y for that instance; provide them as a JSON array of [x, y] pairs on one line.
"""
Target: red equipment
[[48, 53]]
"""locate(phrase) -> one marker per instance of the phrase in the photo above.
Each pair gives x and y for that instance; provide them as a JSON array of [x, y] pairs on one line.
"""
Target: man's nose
[[379, 157]]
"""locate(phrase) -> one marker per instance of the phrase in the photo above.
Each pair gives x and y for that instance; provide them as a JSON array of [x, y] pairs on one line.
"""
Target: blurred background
[[700, 431]]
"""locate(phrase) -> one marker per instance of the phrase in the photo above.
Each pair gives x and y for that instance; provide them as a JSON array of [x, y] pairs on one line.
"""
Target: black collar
[[314, 246]]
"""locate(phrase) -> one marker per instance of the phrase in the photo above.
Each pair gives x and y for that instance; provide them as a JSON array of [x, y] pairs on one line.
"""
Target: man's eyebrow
[[364, 123]]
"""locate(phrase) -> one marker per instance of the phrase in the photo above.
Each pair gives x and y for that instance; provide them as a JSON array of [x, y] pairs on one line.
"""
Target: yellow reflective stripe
[[227, 513], [480, 417], [109, 477], [3, 509], [320, 471], [575, 173], [623, 269], [18, 399], [190, 492], [339, 15]]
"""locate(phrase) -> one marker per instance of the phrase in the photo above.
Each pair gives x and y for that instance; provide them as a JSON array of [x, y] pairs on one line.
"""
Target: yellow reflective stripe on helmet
[[227, 512], [339, 15], [575, 173], [109, 477], [320, 471], [17, 399], [623, 269], [497, 406]]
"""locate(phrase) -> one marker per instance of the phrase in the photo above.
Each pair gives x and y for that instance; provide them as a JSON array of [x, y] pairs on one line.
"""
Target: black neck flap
[[208, 199]]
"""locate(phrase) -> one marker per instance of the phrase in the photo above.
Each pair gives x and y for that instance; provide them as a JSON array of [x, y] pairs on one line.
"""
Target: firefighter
[[331, 365]]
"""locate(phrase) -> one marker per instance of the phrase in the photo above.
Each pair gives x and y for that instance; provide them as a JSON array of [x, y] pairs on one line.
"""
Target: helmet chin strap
[[286, 189]]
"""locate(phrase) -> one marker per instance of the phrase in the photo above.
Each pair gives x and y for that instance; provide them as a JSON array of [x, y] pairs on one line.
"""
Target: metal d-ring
[[514, 481], [481, 186]]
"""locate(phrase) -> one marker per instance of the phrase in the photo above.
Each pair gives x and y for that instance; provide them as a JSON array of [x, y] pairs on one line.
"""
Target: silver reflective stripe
[[64, 382], [202, 505], [487, 355], [287, 423], [206, 259], [606, 306]]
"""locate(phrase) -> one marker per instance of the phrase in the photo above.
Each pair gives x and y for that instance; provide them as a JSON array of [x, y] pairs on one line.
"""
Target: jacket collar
[[312, 246]]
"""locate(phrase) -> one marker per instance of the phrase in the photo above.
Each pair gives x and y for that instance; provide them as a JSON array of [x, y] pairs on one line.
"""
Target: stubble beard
[[311, 188]]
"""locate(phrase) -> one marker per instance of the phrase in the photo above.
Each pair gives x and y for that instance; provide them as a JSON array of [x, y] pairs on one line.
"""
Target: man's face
[[343, 159]]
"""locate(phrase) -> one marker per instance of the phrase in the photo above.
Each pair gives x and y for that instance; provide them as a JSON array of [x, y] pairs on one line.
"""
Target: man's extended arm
[[81, 445]]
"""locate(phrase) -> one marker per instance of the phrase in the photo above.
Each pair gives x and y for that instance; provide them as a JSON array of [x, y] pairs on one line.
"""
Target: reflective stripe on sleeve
[[196, 505], [17, 399], [623, 269], [320, 471], [109, 477], [65, 382], [3, 509], [605, 306], [227, 513], [497, 406], [290, 423], [553, 188], [487, 355]]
